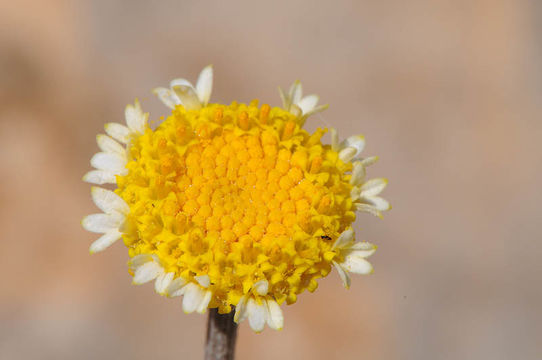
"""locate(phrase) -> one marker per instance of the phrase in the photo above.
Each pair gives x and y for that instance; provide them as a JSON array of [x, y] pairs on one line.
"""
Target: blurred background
[[447, 92]]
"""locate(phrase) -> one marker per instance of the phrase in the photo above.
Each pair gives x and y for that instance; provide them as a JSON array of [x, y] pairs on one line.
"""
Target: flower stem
[[221, 336]]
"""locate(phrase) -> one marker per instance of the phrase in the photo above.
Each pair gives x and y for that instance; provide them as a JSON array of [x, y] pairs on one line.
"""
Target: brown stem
[[221, 336]]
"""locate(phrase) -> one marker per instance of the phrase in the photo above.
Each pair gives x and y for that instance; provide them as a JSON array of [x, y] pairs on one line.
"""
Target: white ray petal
[[354, 193], [167, 96], [256, 315], [118, 132], [188, 97], [343, 275], [275, 318], [373, 187], [355, 141], [107, 144], [108, 201], [261, 287], [135, 118], [100, 177], [204, 86], [147, 272], [358, 173], [162, 282], [295, 110], [317, 109], [346, 238], [308, 103], [180, 82], [357, 265], [369, 161], [296, 92], [202, 307], [334, 139], [101, 223], [106, 240], [379, 203], [139, 260], [285, 99], [193, 296], [203, 280], [362, 249], [241, 310], [347, 154], [369, 209], [109, 162], [176, 288]]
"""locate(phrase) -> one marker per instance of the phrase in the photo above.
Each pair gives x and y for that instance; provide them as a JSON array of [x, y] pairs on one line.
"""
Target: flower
[[234, 207]]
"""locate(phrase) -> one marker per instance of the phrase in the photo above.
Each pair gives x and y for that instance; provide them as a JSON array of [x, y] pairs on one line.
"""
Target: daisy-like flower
[[234, 207]]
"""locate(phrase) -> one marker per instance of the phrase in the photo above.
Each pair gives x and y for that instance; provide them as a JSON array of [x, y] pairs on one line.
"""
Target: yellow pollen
[[288, 130], [238, 193], [316, 164], [264, 113], [243, 120]]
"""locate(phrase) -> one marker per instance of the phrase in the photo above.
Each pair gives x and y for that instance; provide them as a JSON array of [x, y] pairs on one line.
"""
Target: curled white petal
[[135, 118], [106, 240], [369, 161], [180, 82], [354, 193], [167, 96], [377, 202], [357, 265], [256, 315], [261, 287], [110, 162], [202, 307], [275, 318], [357, 142], [296, 110], [204, 86], [100, 177], [285, 99], [162, 282], [102, 223], [176, 287], [373, 187], [334, 139], [368, 209], [118, 132], [346, 238], [342, 274], [147, 272], [107, 144], [316, 109], [193, 296], [362, 249], [347, 154], [358, 173], [139, 260], [188, 96], [296, 92], [241, 310], [308, 103], [108, 201], [203, 280]]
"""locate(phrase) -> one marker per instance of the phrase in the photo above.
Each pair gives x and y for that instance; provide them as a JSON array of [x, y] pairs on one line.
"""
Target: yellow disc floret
[[240, 193]]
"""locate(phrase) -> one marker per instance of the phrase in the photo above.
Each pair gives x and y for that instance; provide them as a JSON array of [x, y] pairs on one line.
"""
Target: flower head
[[232, 206]]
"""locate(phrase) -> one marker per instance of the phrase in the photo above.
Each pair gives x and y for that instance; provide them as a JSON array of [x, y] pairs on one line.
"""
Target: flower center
[[239, 193]]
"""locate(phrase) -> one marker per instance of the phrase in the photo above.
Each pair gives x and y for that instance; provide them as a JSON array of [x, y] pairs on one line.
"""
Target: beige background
[[446, 92]]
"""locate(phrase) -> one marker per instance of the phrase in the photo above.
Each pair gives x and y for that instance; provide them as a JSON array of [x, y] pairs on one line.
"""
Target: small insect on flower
[[234, 207]]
